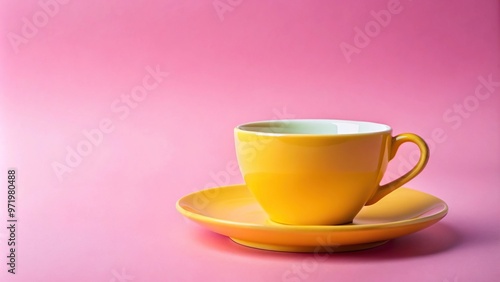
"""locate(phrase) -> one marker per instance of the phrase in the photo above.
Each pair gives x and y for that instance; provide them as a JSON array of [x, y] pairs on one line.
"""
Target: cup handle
[[387, 188]]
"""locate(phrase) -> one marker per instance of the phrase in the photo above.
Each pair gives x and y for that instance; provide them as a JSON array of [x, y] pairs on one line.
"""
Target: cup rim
[[386, 128]]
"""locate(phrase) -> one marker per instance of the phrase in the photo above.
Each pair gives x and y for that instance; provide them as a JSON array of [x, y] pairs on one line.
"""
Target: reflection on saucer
[[233, 211]]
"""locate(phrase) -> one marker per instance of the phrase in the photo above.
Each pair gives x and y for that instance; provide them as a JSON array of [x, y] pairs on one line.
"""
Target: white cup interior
[[315, 127]]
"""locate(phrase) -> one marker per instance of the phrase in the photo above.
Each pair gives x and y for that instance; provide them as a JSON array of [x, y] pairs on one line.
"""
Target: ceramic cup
[[319, 172]]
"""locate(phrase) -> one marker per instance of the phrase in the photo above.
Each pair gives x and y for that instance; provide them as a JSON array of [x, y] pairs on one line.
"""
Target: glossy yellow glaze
[[319, 178], [234, 212]]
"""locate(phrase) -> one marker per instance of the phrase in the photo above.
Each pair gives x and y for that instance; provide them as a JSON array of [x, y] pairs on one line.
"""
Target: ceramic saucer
[[233, 211]]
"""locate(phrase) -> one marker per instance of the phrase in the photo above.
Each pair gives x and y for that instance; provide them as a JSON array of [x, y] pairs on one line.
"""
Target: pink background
[[113, 217]]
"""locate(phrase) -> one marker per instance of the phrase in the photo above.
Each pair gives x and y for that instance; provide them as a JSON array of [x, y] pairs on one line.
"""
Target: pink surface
[[91, 77]]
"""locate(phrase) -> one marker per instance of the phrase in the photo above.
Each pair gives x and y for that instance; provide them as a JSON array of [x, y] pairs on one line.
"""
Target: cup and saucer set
[[313, 186]]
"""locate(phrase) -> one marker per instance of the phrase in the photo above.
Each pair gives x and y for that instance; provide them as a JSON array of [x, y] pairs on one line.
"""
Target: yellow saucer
[[233, 211]]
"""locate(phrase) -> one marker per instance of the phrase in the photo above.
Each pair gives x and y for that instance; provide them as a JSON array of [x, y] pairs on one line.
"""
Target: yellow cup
[[319, 172]]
